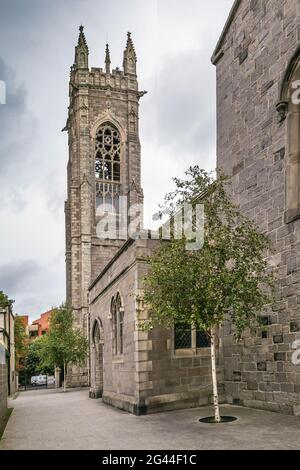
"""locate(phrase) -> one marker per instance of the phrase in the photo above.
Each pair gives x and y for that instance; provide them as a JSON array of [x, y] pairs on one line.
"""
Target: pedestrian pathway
[[51, 419]]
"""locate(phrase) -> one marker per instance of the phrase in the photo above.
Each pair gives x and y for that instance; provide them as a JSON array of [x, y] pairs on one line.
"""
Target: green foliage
[[34, 364], [63, 344], [21, 340], [4, 300], [229, 278]]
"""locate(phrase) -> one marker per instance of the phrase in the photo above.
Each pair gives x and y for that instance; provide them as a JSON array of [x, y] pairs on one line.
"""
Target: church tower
[[104, 172]]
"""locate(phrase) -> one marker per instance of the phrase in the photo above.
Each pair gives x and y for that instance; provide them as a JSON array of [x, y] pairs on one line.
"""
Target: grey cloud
[[16, 134], [183, 111], [34, 287], [15, 277], [13, 199]]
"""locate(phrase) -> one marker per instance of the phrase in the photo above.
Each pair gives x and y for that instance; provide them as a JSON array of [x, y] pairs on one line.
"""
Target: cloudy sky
[[174, 40]]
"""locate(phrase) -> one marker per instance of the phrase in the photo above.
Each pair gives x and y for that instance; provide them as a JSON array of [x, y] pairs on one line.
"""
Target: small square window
[[182, 336], [202, 339]]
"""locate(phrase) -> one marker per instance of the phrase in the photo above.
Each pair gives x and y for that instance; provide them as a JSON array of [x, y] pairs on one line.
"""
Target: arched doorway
[[97, 361]]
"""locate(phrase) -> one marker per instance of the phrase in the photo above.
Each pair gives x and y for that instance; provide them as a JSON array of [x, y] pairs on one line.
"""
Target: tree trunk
[[65, 382], [214, 376]]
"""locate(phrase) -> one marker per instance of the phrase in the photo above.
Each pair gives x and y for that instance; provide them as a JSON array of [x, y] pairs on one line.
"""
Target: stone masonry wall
[[252, 147], [119, 374], [149, 376], [3, 383]]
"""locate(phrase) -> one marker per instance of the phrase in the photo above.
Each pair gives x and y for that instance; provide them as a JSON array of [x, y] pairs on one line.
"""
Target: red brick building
[[40, 326]]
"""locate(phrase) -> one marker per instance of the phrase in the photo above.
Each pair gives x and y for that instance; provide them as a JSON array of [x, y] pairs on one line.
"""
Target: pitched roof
[[217, 54]]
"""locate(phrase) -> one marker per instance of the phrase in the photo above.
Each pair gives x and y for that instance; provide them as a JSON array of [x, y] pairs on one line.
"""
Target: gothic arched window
[[289, 107], [117, 315], [114, 326], [96, 334], [120, 319], [107, 157]]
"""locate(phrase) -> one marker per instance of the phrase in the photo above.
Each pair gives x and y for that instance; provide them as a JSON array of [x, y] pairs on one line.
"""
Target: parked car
[[34, 379], [41, 379], [38, 379]]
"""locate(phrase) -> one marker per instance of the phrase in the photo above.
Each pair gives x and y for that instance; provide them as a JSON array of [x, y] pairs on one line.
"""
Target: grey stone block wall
[[119, 372], [178, 380], [3, 390], [252, 147], [149, 376]]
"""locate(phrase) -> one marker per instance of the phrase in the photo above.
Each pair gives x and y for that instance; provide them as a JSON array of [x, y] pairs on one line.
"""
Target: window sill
[[191, 352], [291, 215]]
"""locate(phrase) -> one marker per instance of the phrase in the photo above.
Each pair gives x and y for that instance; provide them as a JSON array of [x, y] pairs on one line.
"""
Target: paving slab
[[51, 419]]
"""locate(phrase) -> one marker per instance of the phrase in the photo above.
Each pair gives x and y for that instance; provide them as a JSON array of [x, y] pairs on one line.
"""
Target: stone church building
[[257, 61], [131, 369]]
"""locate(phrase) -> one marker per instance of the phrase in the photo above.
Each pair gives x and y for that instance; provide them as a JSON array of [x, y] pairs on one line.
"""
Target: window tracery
[[107, 148]]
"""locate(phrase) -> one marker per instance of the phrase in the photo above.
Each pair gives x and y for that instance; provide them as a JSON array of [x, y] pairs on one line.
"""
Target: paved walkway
[[50, 419]]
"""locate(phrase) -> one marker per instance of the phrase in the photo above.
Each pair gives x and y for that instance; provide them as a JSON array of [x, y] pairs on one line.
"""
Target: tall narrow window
[[117, 314], [96, 334], [107, 175], [120, 324], [114, 326]]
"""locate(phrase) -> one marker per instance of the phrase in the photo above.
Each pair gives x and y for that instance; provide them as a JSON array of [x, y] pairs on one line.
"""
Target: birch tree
[[227, 279]]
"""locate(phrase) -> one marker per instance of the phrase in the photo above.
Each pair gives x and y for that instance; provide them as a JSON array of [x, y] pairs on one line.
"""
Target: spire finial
[[81, 39], [129, 61], [81, 50], [107, 59], [129, 44]]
